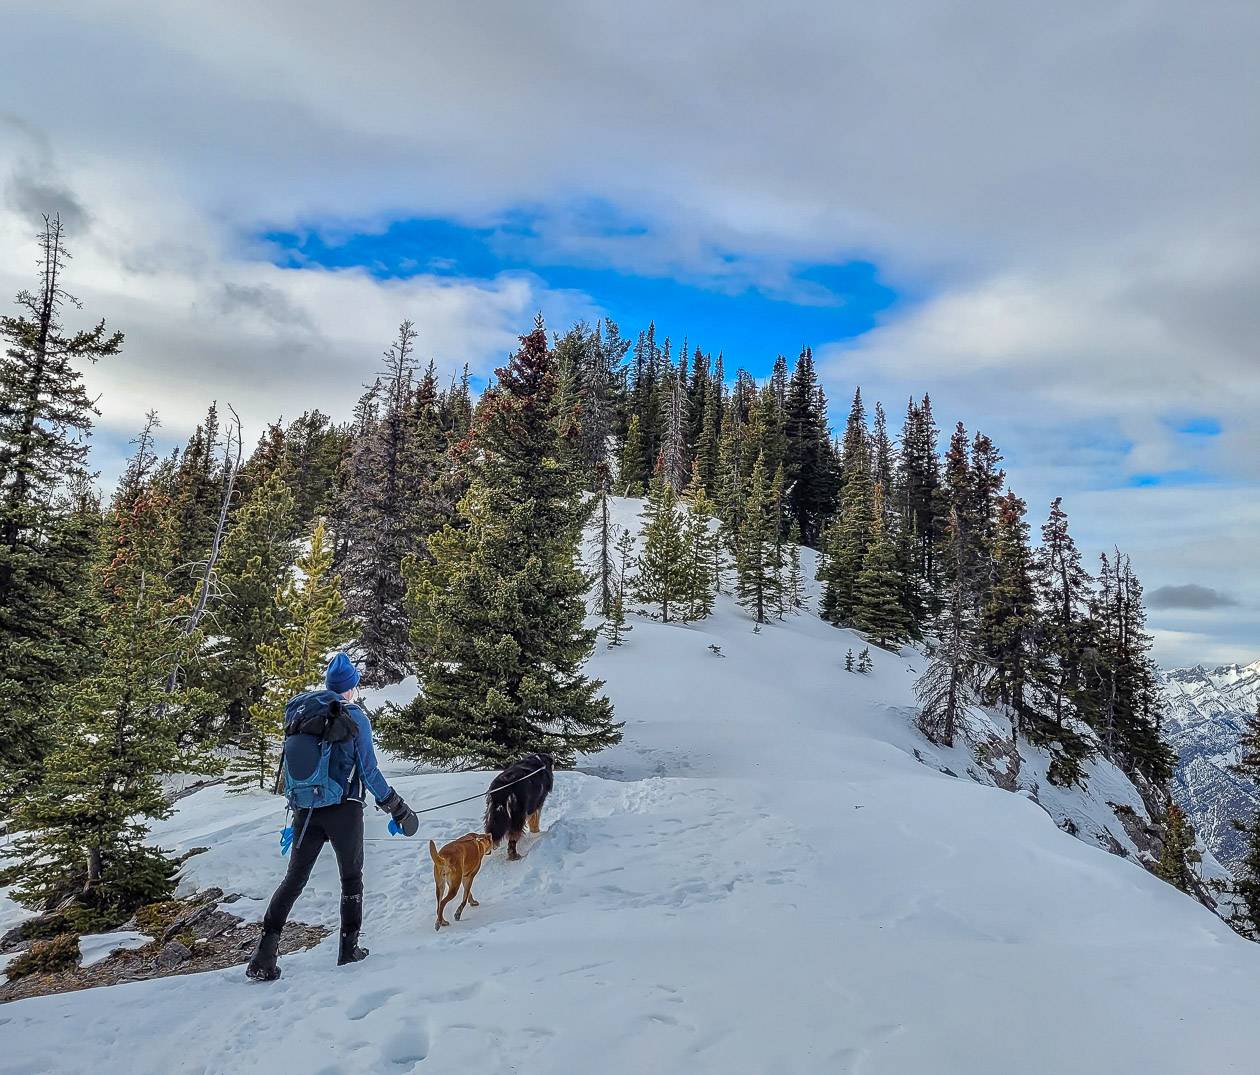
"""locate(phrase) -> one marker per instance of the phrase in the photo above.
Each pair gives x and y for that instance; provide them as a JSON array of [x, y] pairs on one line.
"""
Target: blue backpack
[[318, 755]]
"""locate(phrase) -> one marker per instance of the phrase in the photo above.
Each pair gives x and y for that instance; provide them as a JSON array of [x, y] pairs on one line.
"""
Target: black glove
[[400, 812]]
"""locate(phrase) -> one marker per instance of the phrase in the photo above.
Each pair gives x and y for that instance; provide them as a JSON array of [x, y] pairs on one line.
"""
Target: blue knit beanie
[[341, 674]]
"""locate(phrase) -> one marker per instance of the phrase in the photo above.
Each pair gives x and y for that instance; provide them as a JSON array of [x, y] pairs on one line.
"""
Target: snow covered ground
[[760, 878]]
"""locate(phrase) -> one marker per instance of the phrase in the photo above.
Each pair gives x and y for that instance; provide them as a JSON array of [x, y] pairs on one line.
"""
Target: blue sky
[[748, 308], [1047, 222]]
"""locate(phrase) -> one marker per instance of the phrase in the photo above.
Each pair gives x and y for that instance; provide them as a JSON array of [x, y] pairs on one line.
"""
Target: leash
[[456, 802]]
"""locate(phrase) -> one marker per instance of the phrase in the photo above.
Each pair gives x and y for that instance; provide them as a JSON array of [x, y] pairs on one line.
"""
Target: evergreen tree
[[865, 664], [878, 610], [605, 569], [311, 624], [1126, 709], [709, 441], [663, 575], [808, 463], [676, 466], [116, 731], [1063, 596], [1247, 871], [498, 613], [385, 508], [633, 472], [848, 661], [1010, 614], [45, 535], [851, 533], [947, 689], [919, 494], [702, 549], [258, 555], [1172, 866], [615, 626], [795, 584], [757, 585]]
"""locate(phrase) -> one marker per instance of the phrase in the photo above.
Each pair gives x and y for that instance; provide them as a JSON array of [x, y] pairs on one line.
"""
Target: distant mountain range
[[1205, 710]]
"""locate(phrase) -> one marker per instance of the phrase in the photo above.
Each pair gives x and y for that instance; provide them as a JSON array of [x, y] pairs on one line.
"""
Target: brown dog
[[457, 864]]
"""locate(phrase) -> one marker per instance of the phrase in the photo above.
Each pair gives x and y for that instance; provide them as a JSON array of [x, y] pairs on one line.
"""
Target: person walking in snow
[[352, 762]]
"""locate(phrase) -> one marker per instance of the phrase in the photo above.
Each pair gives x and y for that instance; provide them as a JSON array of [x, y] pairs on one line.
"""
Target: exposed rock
[[195, 935], [171, 955]]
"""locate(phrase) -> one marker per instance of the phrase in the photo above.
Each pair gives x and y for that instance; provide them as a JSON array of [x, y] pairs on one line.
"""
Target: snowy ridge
[[1206, 711], [763, 876]]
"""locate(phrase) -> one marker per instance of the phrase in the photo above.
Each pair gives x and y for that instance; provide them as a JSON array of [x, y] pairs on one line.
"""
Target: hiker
[[330, 719]]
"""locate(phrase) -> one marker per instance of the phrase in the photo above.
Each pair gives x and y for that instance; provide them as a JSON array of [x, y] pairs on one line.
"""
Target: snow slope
[[1206, 712], [761, 878]]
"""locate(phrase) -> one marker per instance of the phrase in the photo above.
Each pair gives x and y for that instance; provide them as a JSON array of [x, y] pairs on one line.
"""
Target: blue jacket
[[367, 772]]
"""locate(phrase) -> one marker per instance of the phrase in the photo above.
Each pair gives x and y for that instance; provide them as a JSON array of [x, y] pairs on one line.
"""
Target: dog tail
[[433, 854]]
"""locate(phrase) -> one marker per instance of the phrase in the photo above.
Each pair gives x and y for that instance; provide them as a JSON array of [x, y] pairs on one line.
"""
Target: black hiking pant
[[341, 826]]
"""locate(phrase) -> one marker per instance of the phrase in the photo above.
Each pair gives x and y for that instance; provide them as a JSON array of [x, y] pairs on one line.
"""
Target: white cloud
[[1069, 191]]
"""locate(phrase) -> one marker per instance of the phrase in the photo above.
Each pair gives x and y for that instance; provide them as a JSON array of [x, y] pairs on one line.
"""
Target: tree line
[[439, 534]]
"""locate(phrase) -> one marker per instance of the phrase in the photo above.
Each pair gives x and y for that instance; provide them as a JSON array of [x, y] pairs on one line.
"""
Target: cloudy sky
[[1045, 215]]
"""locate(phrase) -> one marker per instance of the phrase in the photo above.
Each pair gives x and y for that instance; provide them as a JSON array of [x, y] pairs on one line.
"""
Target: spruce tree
[[878, 611], [310, 624], [602, 543], [947, 688], [1247, 871], [865, 664], [850, 534], [795, 584], [808, 463], [45, 535], [663, 578], [498, 611], [848, 661], [1010, 615], [258, 555], [676, 465], [757, 585], [615, 626], [1063, 596], [702, 549], [116, 731], [385, 512], [919, 494], [633, 472], [1172, 865]]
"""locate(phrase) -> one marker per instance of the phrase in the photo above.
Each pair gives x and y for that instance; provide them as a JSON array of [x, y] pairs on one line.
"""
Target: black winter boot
[[350, 952], [262, 968]]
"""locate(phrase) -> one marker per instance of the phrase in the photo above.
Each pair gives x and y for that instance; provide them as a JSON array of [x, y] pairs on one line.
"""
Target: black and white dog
[[516, 798]]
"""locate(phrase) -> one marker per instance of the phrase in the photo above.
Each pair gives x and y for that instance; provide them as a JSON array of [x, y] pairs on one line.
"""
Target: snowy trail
[[760, 878]]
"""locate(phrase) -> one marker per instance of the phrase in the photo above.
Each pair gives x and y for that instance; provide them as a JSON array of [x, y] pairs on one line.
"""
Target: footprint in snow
[[407, 1048], [368, 1003]]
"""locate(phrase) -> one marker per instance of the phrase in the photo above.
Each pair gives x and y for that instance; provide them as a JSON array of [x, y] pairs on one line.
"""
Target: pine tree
[[795, 584], [116, 731], [634, 466], [1172, 866], [602, 543], [865, 664], [757, 585], [45, 535], [498, 612], [663, 576], [848, 661], [674, 453], [1010, 614], [388, 503], [258, 555], [702, 549], [311, 624], [878, 610], [919, 493], [851, 533], [1063, 596], [947, 689], [1126, 706], [615, 626]]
